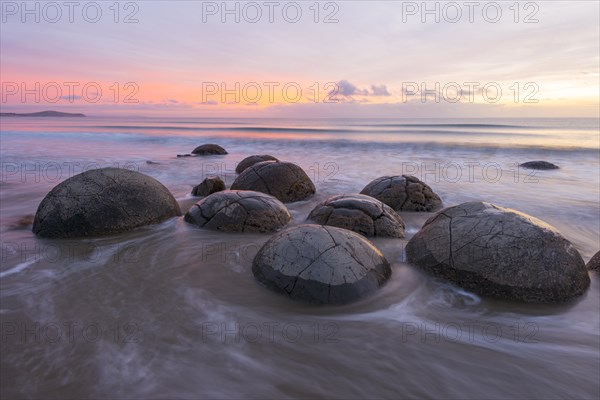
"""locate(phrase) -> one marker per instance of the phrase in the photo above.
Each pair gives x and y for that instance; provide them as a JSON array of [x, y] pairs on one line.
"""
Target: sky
[[374, 59]]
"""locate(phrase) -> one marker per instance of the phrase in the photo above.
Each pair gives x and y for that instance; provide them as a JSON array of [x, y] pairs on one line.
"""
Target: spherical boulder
[[209, 149], [359, 213], [594, 263], [239, 211], [403, 193], [321, 265], [210, 185], [101, 202], [284, 180], [251, 160], [542, 165], [499, 252]]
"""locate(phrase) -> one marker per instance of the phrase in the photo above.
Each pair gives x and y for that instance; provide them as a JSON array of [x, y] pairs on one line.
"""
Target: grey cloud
[[379, 90]]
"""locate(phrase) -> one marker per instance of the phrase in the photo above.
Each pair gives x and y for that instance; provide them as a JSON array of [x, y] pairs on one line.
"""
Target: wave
[[454, 126], [307, 129], [320, 130], [405, 142], [247, 129]]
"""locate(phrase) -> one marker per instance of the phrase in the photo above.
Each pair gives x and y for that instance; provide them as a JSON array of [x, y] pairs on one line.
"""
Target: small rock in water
[[542, 165], [151, 162], [321, 265], [499, 252], [209, 149], [403, 193], [359, 213], [251, 160], [101, 202], [210, 185], [594, 263], [183, 155], [239, 211], [284, 180]]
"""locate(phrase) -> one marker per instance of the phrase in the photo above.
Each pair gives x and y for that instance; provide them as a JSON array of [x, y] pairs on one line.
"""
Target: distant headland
[[42, 114]]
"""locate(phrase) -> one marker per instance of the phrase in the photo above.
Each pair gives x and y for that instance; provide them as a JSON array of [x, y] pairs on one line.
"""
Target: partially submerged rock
[[542, 165], [499, 252], [209, 149], [101, 202], [251, 160], [359, 213], [594, 263], [403, 193], [239, 211], [208, 186], [321, 265], [284, 180]]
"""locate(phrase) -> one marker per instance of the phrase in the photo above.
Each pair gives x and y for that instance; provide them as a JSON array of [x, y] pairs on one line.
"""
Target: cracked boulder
[[251, 160], [209, 149], [594, 263], [403, 193], [210, 185], [359, 213], [542, 165], [284, 180], [499, 252], [321, 265], [239, 211], [101, 202]]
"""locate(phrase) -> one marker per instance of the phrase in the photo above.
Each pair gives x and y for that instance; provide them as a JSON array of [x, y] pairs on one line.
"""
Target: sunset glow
[[309, 199], [168, 69]]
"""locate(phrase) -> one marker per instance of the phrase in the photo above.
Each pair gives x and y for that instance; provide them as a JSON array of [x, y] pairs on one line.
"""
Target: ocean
[[172, 310]]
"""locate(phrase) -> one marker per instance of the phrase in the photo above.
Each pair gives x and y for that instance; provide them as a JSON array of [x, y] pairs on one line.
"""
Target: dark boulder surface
[[209, 149], [101, 202], [359, 213], [403, 193], [251, 160], [321, 265], [594, 263], [284, 180], [208, 186], [542, 165], [499, 252], [239, 211]]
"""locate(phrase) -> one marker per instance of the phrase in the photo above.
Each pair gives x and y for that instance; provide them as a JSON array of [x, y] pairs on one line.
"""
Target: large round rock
[[209, 149], [321, 265], [251, 160], [359, 213], [499, 252], [594, 263], [284, 180], [239, 211], [101, 202], [403, 193], [209, 185]]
